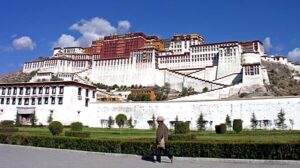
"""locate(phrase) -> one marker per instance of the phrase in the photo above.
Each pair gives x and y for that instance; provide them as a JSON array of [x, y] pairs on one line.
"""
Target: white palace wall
[[141, 112], [216, 111]]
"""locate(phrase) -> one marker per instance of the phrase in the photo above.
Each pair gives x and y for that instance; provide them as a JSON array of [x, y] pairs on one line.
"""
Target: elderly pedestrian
[[162, 140]]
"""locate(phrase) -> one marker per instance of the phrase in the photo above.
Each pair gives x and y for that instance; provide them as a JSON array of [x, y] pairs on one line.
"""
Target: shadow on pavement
[[149, 158]]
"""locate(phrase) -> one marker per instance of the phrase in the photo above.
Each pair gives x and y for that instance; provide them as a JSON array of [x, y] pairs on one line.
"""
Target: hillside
[[16, 77], [282, 82]]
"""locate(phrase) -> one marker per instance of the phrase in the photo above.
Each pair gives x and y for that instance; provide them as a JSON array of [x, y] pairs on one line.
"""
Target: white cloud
[[23, 43], [294, 55], [66, 41], [123, 26], [267, 44], [90, 30]]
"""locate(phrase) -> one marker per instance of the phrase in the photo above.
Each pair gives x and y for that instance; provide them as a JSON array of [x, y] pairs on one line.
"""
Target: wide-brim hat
[[160, 118]]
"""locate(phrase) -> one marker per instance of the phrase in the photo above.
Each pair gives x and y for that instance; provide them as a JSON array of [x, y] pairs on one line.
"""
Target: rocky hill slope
[[282, 82], [16, 77]]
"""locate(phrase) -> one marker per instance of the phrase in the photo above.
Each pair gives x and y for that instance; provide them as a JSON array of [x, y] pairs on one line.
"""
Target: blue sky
[[31, 28]]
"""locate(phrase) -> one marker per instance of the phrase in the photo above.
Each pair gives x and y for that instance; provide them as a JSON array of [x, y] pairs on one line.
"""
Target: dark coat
[[162, 131]]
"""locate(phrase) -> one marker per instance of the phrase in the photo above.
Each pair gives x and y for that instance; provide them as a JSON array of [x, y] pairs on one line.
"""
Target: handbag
[[161, 143]]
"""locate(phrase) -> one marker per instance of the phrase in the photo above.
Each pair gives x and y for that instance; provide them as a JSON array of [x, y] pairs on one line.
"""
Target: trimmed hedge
[[55, 127], [76, 126], [7, 126], [81, 134], [182, 127], [223, 128], [237, 125], [218, 129], [179, 148], [182, 137], [9, 130], [7, 123]]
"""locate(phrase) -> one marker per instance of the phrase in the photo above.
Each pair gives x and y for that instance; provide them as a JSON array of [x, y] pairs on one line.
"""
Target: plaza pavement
[[12, 156]]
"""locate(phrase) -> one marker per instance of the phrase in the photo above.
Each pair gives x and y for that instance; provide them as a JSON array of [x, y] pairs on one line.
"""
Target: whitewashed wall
[[215, 111], [141, 112]]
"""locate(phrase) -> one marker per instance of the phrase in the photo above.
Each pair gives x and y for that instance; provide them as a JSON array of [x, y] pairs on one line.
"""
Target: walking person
[[162, 140]]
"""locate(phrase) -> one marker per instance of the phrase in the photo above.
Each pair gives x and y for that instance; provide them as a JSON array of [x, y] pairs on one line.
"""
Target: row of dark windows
[[33, 90], [87, 91], [34, 101]]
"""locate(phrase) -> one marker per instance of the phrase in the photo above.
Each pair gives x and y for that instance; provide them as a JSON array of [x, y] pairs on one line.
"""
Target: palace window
[[39, 101], [7, 101], [32, 101], [34, 90], [252, 70], [86, 102], [87, 92], [13, 101], [60, 100], [21, 91], [3, 91], [40, 90], [15, 91], [47, 90], [27, 92], [52, 100], [2, 100], [53, 90], [94, 94], [26, 102], [46, 100], [20, 101], [61, 90], [9, 91], [79, 91]]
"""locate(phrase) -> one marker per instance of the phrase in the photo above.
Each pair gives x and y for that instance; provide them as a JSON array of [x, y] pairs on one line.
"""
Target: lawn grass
[[246, 136]]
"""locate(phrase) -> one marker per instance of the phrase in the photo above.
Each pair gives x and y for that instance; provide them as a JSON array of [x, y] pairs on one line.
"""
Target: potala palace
[[223, 69]]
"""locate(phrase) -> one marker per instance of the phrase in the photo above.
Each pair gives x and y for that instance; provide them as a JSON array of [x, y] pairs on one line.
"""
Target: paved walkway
[[32, 157]]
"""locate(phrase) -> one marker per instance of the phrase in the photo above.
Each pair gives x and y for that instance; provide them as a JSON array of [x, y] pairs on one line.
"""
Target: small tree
[[18, 123], [55, 128], [253, 121], [201, 123], [153, 123], [129, 123], [110, 122], [228, 121], [204, 90], [292, 123], [121, 120], [184, 92], [281, 120], [237, 125]]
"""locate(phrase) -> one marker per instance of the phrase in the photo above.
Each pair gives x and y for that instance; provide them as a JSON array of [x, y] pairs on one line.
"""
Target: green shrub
[[182, 127], [182, 137], [76, 126], [81, 134], [7, 126], [121, 120], [237, 125], [223, 128], [55, 127], [7, 123], [218, 129], [207, 148]]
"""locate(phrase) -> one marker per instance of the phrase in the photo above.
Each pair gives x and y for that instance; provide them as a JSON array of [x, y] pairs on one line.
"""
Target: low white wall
[[215, 111], [141, 112]]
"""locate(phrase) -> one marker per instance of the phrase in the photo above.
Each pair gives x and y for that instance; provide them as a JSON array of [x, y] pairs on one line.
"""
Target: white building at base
[[65, 100]]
